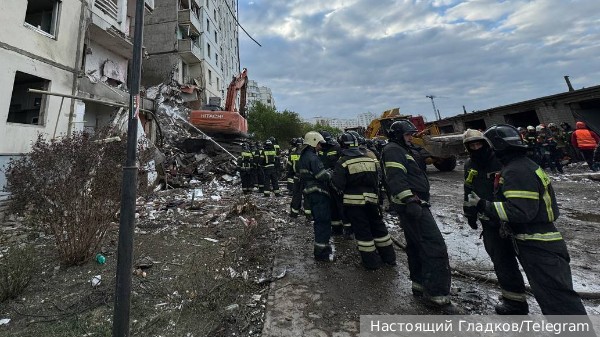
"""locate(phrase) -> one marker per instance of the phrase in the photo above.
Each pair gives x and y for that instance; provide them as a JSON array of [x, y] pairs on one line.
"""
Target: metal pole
[[129, 187]]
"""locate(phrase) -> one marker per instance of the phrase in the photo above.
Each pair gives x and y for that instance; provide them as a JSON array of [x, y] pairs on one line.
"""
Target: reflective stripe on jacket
[[357, 176]]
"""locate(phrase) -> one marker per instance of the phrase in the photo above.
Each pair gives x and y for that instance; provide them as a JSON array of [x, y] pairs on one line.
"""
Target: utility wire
[[238, 23]]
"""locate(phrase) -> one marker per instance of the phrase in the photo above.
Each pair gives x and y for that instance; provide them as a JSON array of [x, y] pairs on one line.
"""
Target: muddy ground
[[233, 266]]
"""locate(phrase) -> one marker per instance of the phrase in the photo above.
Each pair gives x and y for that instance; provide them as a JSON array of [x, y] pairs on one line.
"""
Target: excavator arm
[[238, 84]]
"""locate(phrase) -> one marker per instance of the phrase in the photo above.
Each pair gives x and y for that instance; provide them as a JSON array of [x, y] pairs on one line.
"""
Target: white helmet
[[530, 128], [472, 135], [539, 128], [313, 138]]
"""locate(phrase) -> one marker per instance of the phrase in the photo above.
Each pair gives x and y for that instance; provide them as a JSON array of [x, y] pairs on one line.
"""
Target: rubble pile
[[189, 154]]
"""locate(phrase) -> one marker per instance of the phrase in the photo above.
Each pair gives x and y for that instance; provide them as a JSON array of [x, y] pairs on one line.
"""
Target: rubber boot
[[370, 260], [322, 253], [511, 307], [388, 255], [337, 230]]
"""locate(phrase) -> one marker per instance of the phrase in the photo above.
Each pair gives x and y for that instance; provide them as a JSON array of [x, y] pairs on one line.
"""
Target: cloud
[[340, 58]]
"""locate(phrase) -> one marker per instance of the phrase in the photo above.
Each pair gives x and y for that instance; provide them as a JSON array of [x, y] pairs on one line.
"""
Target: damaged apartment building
[[76, 52], [192, 44]]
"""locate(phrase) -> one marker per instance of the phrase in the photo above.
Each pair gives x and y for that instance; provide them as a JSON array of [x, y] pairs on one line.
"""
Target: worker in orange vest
[[586, 141]]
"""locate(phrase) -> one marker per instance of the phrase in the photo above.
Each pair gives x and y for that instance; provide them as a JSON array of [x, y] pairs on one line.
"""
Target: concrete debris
[[4, 321], [96, 280]]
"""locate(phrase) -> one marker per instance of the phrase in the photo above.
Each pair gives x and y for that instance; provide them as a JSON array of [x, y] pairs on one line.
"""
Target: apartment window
[[215, 14], [208, 49], [218, 83], [215, 36], [208, 25], [207, 2], [26, 107], [43, 16], [217, 59], [209, 77]]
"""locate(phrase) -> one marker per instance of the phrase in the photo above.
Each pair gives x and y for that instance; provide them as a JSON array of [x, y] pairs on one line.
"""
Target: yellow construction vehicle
[[439, 150]]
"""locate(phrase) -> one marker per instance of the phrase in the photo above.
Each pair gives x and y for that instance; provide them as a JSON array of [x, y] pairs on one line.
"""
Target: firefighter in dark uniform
[[245, 163], [527, 210], [425, 247], [253, 173], [294, 157], [278, 156], [481, 170], [356, 175], [316, 181], [268, 162], [329, 156], [260, 177]]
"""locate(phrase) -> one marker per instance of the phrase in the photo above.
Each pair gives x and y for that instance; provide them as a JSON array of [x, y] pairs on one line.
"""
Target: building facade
[[256, 93], [77, 48], [193, 42]]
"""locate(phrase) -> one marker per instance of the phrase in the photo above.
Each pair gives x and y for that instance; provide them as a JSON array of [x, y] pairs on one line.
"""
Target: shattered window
[[43, 15], [26, 107]]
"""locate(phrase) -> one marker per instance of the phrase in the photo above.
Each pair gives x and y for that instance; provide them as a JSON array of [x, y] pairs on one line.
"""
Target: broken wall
[[102, 62]]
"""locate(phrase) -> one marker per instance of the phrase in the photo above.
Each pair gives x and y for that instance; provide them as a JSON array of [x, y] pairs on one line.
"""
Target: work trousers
[[503, 256], [260, 179], [335, 203], [253, 177], [296, 203], [427, 254], [271, 181], [372, 237], [319, 206], [546, 264], [246, 176], [588, 156]]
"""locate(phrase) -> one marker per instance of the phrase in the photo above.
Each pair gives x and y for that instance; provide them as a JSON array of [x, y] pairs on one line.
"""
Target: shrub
[[16, 270], [71, 187]]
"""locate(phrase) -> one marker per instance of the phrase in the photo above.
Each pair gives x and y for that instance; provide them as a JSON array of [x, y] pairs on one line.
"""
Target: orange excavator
[[230, 121]]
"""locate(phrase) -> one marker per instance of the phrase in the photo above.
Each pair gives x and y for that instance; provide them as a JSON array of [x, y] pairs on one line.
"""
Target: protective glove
[[414, 210], [472, 222], [472, 200]]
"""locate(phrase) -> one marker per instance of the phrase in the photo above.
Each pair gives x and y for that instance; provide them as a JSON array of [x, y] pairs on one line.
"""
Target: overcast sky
[[339, 58]]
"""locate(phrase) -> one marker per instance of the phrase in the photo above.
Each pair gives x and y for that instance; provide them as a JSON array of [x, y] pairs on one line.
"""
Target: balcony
[[189, 51], [187, 17]]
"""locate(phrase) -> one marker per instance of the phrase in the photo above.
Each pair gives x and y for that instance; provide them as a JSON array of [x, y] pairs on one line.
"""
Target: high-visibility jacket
[[479, 178], [526, 201], [403, 175], [246, 161], [356, 175], [583, 139], [292, 162], [268, 157]]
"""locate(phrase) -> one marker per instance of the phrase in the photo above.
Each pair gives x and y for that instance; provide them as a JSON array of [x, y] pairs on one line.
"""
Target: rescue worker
[[291, 162], [268, 163], [586, 141], [245, 163], [278, 156], [481, 170], [356, 175], [532, 144], [329, 154], [559, 137], [316, 181], [296, 190], [260, 176], [409, 190], [526, 210], [253, 170]]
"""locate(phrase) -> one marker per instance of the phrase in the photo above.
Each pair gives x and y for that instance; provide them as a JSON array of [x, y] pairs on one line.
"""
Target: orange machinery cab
[[219, 122]]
